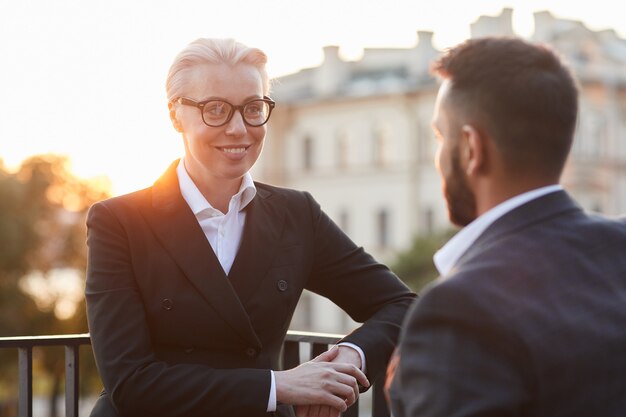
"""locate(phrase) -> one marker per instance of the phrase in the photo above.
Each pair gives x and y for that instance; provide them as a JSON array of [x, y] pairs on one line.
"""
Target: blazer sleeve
[[367, 290], [137, 381], [457, 359]]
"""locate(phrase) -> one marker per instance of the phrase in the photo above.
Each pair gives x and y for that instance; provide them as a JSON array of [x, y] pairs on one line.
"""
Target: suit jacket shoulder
[[526, 323]]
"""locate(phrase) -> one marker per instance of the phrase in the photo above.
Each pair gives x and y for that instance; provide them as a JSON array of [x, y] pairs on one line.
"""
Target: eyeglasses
[[216, 113]]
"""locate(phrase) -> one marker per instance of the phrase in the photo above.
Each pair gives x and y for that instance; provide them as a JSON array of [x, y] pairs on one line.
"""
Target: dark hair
[[520, 93]]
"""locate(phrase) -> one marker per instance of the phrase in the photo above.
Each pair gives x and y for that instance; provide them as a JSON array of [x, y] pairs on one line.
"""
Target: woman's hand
[[321, 382], [345, 355]]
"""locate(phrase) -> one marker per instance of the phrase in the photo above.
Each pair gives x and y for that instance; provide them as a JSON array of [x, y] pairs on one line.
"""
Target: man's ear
[[175, 122], [474, 150]]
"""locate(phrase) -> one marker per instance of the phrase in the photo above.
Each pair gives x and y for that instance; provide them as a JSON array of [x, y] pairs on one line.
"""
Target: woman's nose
[[236, 125]]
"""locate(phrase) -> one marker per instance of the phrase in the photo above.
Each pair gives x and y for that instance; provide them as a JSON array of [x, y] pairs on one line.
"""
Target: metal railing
[[318, 343]]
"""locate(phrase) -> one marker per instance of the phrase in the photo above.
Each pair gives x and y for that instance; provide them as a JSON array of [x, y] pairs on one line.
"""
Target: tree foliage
[[415, 266], [42, 229]]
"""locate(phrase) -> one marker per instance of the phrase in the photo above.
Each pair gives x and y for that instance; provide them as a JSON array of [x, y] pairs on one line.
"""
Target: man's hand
[[323, 381], [391, 373], [345, 355]]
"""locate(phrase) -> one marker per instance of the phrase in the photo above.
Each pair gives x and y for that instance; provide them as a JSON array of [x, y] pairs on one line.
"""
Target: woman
[[192, 282]]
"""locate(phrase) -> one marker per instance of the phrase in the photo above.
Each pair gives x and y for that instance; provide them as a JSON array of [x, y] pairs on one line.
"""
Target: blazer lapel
[[264, 222], [179, 232]]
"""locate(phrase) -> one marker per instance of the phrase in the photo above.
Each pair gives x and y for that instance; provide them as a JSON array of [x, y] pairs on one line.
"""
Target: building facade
[[356, 134]]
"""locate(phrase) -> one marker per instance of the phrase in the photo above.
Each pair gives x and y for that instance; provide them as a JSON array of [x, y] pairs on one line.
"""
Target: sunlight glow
[[59, 289], [86, 79]]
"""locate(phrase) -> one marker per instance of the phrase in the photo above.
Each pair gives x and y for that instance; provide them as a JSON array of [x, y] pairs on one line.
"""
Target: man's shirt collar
[[451, 252]]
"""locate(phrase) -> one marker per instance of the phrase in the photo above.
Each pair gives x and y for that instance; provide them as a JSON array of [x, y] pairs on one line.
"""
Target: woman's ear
[[174, 118], [474, 150]]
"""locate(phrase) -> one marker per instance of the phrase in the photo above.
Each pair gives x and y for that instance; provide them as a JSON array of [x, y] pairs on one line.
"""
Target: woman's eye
[[215, 109], [253, 108]]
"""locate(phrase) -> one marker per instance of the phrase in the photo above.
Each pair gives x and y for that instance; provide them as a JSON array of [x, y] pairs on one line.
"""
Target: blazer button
[[167, 304], [282, 285], [251, 352]]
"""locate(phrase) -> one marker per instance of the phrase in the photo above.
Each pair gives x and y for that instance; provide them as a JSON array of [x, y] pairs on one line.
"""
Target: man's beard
[[459, 197]]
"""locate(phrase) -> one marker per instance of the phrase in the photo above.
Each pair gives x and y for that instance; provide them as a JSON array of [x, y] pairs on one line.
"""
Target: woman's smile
[[234, 152]]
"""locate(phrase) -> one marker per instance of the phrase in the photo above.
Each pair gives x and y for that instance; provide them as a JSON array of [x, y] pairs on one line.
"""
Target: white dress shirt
[[224, 233], [451, 252]]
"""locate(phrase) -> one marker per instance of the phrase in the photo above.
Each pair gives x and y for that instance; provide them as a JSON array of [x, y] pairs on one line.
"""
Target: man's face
[[459, 196]]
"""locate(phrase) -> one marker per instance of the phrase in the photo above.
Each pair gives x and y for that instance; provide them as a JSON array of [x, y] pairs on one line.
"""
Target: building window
[[307, 153], [344, 220], [429, 221], [342, 150], [382, 228], [425, 142], [381, 147], [303, 316], [590, 140]]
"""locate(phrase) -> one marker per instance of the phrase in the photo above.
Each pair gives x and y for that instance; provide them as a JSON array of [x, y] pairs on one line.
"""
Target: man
[[528, 316]]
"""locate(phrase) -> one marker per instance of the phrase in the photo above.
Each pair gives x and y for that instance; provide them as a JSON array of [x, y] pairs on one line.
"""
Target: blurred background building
[[356, 134]]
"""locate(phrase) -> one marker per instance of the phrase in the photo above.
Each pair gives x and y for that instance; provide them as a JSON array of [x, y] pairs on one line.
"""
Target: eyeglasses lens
[[217, 112]]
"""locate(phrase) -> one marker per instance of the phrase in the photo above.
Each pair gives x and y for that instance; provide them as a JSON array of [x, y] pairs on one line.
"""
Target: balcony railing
[[295, 342]]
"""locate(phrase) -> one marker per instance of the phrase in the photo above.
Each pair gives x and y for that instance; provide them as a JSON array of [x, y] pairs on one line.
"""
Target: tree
[[42, 228], [415, 266]]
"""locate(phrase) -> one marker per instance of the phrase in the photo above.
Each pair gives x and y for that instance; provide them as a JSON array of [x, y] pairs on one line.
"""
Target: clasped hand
[[324, 386]]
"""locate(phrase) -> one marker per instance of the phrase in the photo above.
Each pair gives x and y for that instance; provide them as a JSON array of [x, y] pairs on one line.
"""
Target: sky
[[85, 78]]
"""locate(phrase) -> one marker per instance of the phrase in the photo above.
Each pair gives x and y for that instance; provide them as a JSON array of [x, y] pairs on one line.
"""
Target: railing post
[[317, 349], [25, 369], [291, 354], [379, 404], [290, 358], [353, 410], [71, 380]]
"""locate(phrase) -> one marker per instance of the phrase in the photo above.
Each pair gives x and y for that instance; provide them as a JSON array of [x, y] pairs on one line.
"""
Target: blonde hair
[[212, 51]]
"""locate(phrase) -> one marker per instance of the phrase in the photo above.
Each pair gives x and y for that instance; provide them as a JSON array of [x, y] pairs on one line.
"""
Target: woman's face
[[229, 151]]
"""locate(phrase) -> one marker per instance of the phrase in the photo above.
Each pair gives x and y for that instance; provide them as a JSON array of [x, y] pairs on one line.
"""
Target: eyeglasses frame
[[200, 105]]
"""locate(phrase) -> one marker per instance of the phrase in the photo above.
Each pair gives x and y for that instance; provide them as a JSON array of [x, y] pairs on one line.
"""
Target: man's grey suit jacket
[[530, 322]]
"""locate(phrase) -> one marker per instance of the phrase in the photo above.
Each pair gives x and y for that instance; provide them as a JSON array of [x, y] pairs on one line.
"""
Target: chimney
[[422, 55], [331, 73], [501, 25], [544, 26]]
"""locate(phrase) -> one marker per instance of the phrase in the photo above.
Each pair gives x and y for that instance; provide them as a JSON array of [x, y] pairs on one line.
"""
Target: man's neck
[[491, 193]]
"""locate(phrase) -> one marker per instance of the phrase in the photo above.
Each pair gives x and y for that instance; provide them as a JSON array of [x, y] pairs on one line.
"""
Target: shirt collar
[[451, 252], [196, 201]]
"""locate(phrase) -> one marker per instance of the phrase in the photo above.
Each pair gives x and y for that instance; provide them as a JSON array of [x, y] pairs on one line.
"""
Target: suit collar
[[166, 196], [447, 257], [198, 203], [532, 212], [177, 229]]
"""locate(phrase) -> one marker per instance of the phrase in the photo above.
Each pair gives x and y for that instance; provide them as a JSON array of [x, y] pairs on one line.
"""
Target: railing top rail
[[83, 339], [46, 340], [312, 337]]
